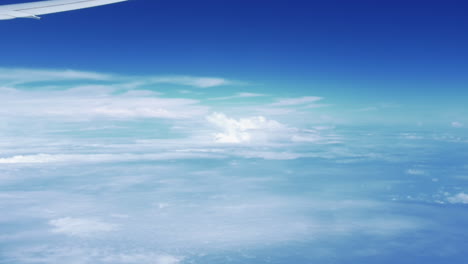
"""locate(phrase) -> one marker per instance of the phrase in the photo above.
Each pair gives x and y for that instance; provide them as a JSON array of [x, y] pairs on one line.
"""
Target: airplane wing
[[35, 9]]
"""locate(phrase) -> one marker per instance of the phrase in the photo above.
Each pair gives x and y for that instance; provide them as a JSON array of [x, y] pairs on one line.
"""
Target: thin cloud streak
[[12, 77], [239, 96], [297, 101]]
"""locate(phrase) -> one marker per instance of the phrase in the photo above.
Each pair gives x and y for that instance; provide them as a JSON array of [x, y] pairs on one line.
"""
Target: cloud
[[460, 198], [99, 158], [307, 138], [84, 95], [378, 107], [239, 95], [245, 95], [270, 155], [243, 130], [257, 130], [23, 76], [97, 102], [13, 77], [123, 189], [139, 258], [200, 82], [457, 124], [415, 172], [80, 226], [297, 101], [80, 254]]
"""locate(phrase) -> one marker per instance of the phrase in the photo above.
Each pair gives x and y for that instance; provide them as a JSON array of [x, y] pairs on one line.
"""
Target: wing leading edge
[[35, 9]]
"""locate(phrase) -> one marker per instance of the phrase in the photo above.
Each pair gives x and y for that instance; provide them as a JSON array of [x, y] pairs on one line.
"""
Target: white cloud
[[80, 226], [270, 155], [104, 95], [245, 95], [97, 102], [457, 124], [22, 76], [243, 130], [260, 130], [297, 101], [142, 258], [13, 77], [239, 95], [415, 172], [80, 254], [97, 158], [200, 82], [307, 138], [460, 198]]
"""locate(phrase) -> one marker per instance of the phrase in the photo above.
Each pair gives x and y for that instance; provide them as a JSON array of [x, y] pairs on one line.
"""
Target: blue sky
[[321, 40], [186, 132]]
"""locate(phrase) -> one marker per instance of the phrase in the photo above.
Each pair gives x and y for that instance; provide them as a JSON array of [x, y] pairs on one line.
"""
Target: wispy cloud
[[239, 95], [461, 198], [100, 158], [415, 172], [378, 107], [200, 82], [82, 254], [297, 101], [457, 124], [150, 258], [80, 226], [14, 77], [22, 76], [95, 102]]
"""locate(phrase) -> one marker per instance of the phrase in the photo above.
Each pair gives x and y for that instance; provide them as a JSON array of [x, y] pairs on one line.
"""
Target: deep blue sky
[[306, 39]]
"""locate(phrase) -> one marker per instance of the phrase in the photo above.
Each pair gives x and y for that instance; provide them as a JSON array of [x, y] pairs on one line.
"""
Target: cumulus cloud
[[80, 226], [245, 129], [261, 130], [461, 198]]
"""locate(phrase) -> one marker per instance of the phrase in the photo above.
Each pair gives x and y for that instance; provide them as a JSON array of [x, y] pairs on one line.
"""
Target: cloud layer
[[101, 168]]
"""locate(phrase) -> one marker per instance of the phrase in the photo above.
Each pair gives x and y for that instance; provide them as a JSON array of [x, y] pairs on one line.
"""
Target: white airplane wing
[[35, 9]]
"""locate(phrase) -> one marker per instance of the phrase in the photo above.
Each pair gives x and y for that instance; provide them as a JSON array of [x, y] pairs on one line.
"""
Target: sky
[[186, 132]]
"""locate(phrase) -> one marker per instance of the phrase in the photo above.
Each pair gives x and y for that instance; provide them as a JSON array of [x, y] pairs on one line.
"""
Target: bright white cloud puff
[[244, 129]]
